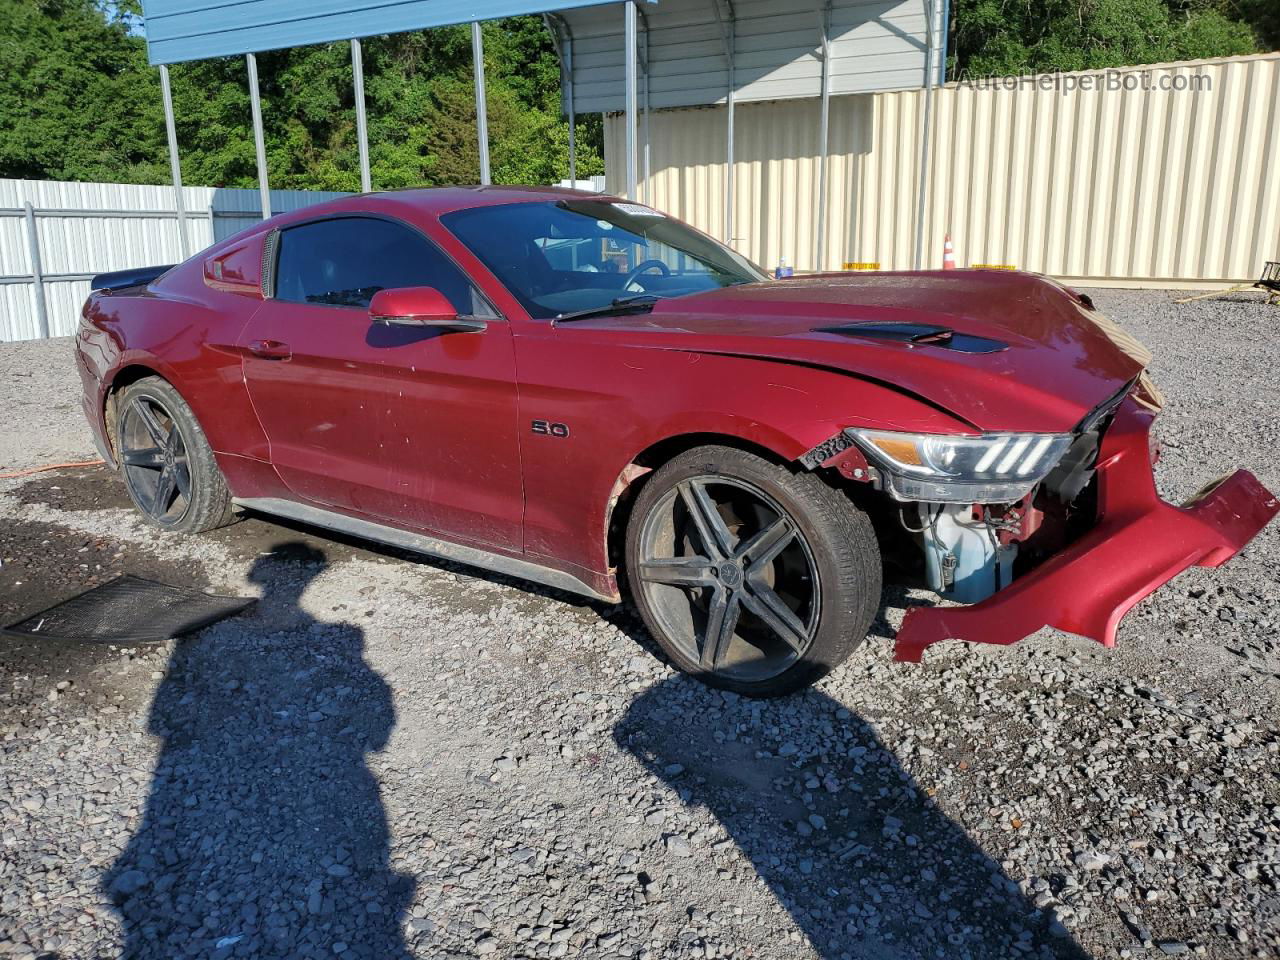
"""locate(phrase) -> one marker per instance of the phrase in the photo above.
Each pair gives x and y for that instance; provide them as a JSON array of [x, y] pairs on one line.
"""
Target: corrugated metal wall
[[130, 232], [1146, 186]]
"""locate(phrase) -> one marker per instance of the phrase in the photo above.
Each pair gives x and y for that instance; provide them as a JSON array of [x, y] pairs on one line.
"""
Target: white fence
[[55, 236], [595, 184]]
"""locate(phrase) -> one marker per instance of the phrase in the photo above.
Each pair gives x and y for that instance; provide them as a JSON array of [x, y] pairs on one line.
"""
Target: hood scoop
[[918, 334]]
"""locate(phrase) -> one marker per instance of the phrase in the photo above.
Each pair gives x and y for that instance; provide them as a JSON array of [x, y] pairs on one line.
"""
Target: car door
[[412, 425]]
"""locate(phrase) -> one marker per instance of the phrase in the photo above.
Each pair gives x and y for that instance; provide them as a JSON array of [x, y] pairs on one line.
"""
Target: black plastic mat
[[129, 610]]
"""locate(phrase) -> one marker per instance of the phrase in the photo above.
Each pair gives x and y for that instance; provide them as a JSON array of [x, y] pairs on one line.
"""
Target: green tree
[[1036, 36], [78, 101], [420, 104]]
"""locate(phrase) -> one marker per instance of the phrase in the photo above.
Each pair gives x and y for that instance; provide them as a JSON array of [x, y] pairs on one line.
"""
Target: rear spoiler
[[123, 279]]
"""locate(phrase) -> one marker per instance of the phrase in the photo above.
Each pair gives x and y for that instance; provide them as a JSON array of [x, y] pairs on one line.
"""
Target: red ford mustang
[[585, 392]]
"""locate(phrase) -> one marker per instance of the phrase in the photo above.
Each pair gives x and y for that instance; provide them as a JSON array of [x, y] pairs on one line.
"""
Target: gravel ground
[[388, 757], [40, 397]]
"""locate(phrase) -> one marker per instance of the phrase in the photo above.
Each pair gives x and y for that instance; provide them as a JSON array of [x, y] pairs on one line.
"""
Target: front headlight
[[992, 468]]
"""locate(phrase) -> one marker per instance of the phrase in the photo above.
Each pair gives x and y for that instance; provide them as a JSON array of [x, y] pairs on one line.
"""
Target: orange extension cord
[[52, 466]]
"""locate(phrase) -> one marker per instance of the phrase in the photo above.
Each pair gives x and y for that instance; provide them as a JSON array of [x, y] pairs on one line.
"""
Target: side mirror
[[420, 307]]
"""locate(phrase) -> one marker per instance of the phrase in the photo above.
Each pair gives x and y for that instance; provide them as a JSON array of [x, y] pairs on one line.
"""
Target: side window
[[345, 261]]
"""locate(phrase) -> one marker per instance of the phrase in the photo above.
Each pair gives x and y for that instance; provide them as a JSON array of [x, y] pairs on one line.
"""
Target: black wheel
[[166, 462], [751, 577]]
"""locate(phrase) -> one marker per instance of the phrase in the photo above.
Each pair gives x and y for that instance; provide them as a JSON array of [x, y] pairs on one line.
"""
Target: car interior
[[559, 260]]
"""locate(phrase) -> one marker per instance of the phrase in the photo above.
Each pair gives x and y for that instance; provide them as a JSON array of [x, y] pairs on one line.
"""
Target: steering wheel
[[634, 275]]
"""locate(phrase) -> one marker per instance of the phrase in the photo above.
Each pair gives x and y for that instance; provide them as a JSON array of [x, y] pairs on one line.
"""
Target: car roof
[[437, 201]]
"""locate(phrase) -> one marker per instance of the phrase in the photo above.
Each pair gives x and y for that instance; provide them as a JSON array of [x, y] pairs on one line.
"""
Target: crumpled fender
[[1140, 543]]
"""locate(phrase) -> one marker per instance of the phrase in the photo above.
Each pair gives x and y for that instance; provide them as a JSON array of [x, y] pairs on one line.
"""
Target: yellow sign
[[862, 266], [994, 266]]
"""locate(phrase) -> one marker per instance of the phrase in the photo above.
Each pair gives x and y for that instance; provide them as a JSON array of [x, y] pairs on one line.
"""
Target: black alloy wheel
[[154, 459], [167, 465], [730, 576], [750, 576]]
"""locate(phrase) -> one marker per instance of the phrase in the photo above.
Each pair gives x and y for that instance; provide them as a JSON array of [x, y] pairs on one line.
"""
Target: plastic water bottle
[[783, 270]]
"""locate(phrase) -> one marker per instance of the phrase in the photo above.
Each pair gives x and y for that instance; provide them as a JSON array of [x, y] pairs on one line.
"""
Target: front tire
[[751, 577], [166, 462]]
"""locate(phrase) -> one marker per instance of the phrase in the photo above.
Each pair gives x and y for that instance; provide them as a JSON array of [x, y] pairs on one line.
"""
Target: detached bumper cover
[[1139, 543]]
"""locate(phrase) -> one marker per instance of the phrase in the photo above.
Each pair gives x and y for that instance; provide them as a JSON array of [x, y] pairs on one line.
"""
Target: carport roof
[[178, 30]]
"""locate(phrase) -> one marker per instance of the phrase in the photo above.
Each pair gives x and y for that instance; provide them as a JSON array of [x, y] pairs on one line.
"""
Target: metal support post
[[482, 119], [824, 146], [728, 36], [573, 118], [362, 126], [175, 169], [37, 271], [926, 131], [630, 41], [644, 110], [259, 145]]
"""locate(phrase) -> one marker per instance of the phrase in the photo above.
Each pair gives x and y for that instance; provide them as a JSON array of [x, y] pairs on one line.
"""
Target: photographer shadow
[[865, 862], [264, 833]]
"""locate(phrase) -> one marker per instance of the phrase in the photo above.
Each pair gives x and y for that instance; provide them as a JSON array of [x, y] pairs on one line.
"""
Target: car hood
[[1057, 360]]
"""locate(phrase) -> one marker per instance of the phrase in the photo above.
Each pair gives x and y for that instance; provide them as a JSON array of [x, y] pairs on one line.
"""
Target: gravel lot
[[389, 757]]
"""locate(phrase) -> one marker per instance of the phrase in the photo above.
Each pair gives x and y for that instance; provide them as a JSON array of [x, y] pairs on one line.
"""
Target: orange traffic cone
[[948, 254]]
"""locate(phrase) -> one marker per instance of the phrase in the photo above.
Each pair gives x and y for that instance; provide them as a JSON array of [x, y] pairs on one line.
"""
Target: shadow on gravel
[[851, 846], [264, 833]]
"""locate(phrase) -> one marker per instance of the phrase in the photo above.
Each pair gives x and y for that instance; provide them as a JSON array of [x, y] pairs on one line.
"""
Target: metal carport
[[683, 52]]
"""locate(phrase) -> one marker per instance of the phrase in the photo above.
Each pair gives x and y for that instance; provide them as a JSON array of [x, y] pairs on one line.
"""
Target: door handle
[[270, 350]]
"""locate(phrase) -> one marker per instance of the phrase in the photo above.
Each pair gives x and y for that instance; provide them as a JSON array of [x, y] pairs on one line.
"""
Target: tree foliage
[[78, 100], [1038, 36]]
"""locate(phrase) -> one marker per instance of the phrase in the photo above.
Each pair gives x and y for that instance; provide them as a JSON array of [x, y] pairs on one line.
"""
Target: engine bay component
[[965, 559]]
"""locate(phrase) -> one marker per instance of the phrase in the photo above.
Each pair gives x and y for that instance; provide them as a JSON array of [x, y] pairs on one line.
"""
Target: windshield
[[567, 256]]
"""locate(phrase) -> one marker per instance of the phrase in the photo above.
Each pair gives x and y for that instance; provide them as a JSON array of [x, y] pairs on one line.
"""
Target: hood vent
[[918, 334]]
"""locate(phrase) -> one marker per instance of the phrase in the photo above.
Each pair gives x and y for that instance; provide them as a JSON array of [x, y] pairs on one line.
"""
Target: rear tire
[[751, 577], [166, 462]]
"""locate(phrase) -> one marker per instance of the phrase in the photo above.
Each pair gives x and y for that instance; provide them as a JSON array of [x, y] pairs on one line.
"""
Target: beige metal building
[[1163, 176]]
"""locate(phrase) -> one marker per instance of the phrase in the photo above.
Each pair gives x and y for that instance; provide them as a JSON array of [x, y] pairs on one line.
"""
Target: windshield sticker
[[636, 210]]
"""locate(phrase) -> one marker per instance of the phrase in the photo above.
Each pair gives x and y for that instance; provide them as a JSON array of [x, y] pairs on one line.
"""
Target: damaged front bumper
[[1139, 543]]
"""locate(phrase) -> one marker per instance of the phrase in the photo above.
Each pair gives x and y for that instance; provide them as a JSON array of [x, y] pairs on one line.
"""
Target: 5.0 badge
[[546, 428]]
